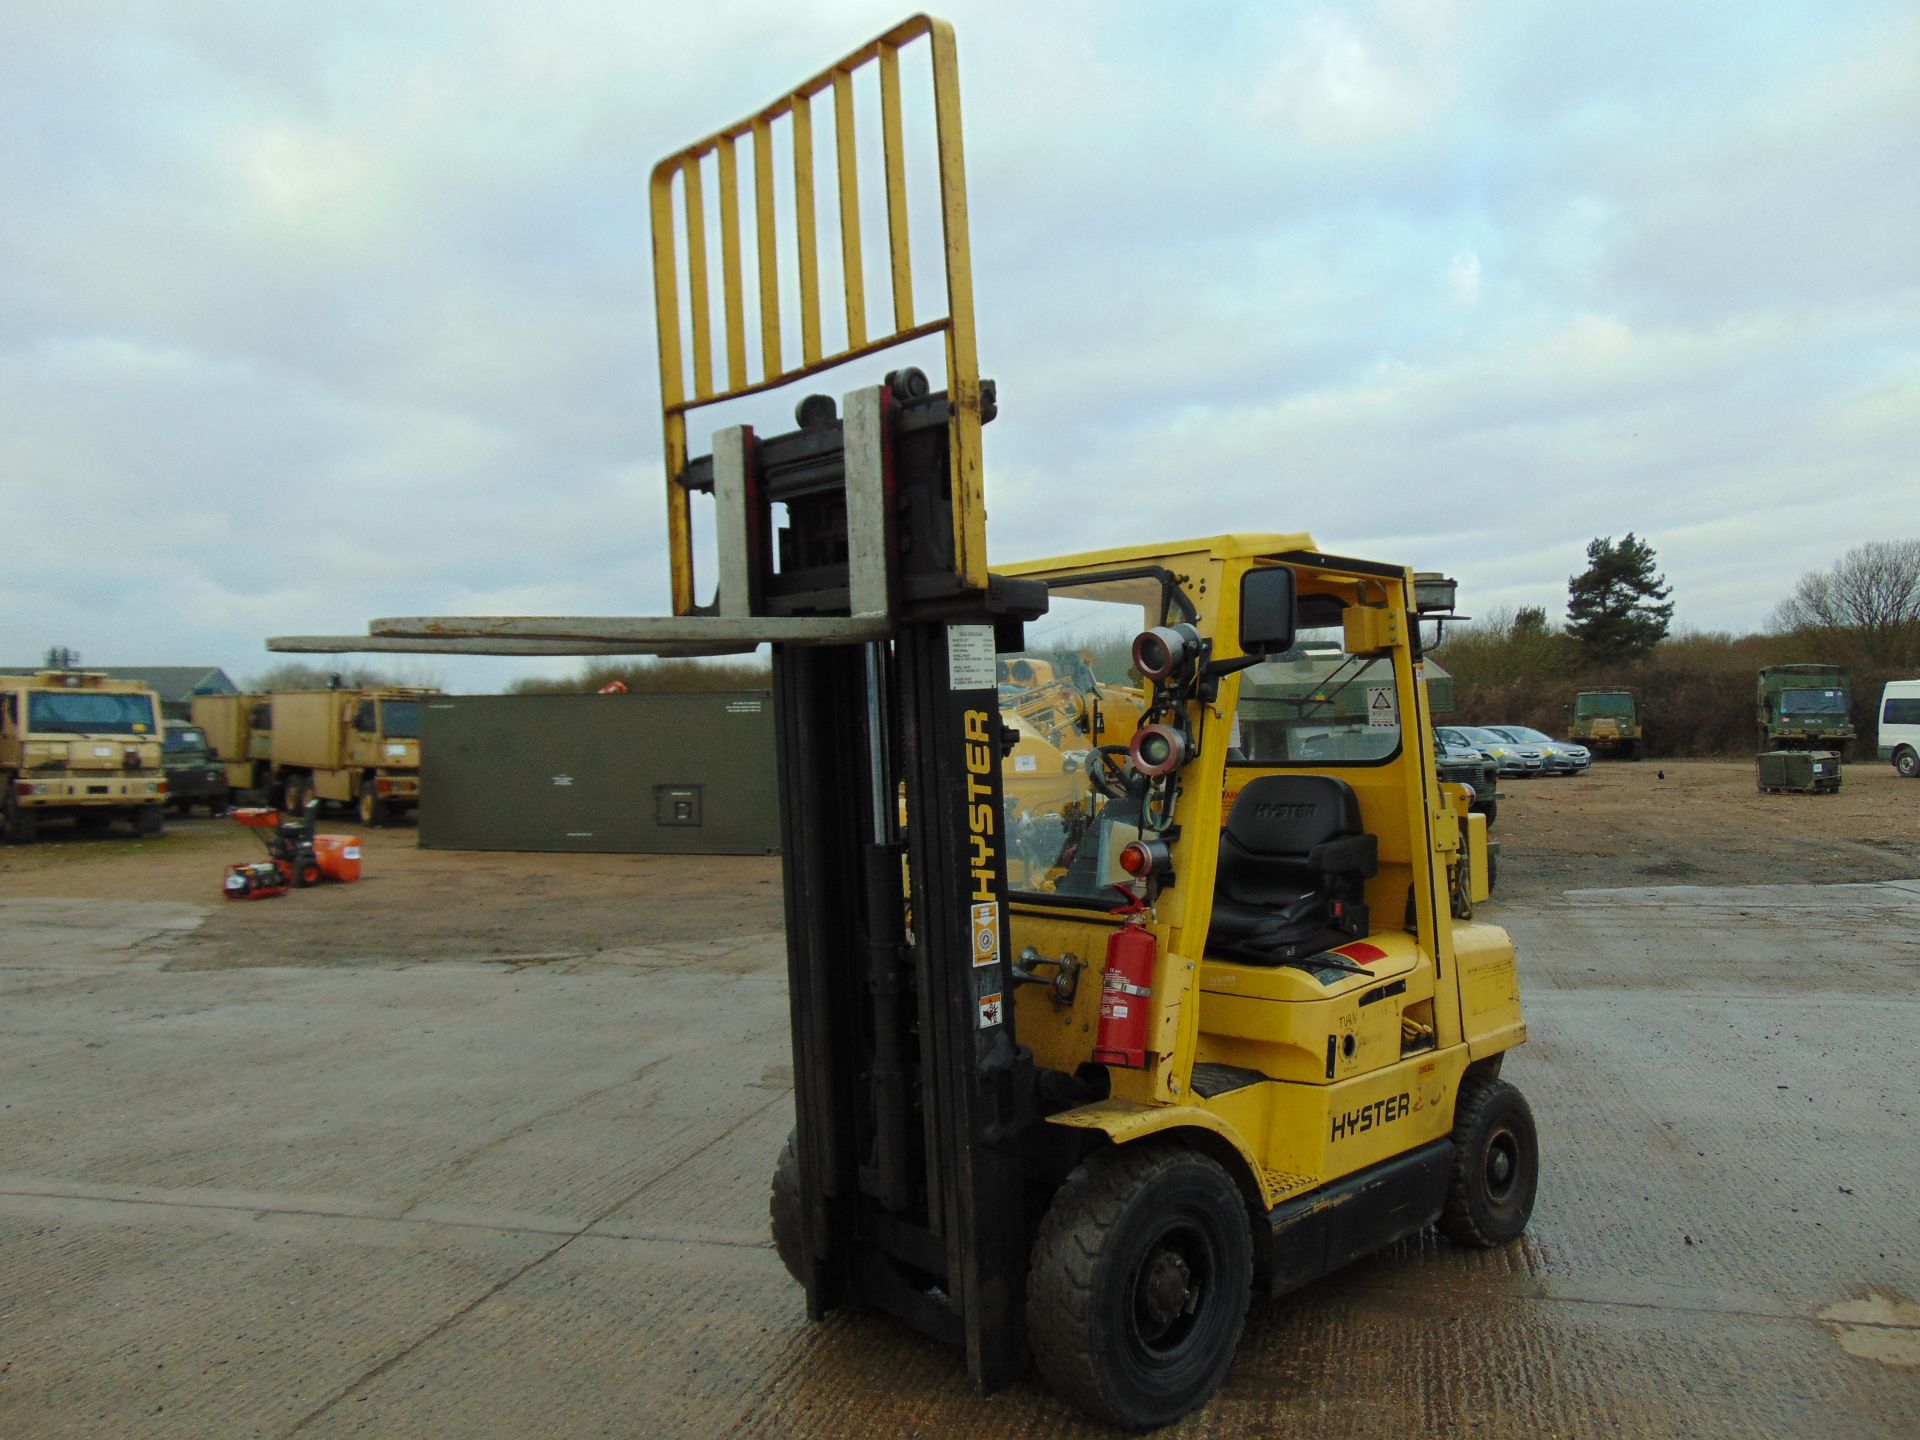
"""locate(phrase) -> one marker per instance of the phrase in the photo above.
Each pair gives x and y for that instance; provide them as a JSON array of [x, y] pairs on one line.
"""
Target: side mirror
[[1267, 610]]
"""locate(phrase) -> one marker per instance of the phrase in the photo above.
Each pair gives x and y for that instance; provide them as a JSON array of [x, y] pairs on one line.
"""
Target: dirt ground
[[1692, 822], [1702, 822]]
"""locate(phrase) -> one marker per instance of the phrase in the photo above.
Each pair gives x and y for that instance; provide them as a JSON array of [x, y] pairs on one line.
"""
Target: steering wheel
[[1109, 770]]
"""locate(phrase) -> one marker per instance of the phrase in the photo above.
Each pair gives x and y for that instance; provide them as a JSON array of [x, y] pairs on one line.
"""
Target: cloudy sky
[[312, 312]]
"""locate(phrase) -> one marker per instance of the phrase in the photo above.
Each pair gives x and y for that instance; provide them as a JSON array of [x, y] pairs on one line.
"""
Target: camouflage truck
[[76, 745], [354, 747], [1607, 722], [239, 731], [1803, 707]]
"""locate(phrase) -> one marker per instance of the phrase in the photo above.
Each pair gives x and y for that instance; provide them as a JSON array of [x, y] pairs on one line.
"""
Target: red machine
[[1126, 989], [295, 855]]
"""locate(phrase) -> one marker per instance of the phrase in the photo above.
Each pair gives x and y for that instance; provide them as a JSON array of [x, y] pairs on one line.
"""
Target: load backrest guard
[[781, 135]]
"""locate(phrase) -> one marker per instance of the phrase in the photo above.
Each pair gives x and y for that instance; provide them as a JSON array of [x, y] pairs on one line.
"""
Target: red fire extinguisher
[[1126, 989]]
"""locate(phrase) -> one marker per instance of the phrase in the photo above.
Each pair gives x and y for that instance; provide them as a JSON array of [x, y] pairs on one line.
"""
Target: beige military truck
[[359, 747], [75, 745], [239, 731]]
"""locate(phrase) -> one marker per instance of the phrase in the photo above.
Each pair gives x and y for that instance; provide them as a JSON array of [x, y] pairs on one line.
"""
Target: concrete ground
[[526, 1197]]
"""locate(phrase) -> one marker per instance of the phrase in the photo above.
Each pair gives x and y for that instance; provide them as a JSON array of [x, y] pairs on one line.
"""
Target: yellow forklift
[[1087, 1054]]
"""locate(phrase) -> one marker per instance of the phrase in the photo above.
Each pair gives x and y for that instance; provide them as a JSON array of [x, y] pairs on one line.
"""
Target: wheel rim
[[1500, 1168], [1172, 1284]]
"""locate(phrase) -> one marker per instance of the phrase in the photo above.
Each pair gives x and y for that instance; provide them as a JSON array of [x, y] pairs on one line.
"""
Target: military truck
[[358, 747], [239, 731], [1607, 722], [1804, 707], [195, 775], [76, 745]]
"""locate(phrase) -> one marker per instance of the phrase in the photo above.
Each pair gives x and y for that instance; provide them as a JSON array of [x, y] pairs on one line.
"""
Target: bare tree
[[1873, 591]]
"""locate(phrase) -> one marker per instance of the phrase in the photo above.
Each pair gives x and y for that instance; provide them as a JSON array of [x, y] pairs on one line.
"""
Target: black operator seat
[[1294, 862]]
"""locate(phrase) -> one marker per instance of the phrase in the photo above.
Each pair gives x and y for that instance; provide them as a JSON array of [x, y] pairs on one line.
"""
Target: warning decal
[[1380, 706], [989, 1010], [986, 934]]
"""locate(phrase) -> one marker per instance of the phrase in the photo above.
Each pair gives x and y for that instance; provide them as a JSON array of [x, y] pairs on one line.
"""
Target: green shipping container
[[670, 774]]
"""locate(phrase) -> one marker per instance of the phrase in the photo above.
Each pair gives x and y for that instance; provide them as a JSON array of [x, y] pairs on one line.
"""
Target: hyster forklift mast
[[911, 1091]]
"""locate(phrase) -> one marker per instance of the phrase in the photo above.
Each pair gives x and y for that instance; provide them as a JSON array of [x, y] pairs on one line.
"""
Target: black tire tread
[[1066, 1250], [1478, 1095], [783, 1209]]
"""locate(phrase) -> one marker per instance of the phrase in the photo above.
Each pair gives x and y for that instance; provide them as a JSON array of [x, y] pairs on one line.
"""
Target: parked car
[[1562, 757], [1465, 765], [1523, 762]]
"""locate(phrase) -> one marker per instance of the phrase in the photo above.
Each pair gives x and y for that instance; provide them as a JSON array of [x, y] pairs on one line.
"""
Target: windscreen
[[1620, 705], [179, 741], [1074, 700], [1318, 705], [90, 712], [400, 719], [1527, 736], [1813, 702]]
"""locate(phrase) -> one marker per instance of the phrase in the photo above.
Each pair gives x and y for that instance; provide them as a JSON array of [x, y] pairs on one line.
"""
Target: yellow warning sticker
[[989, 1010], [986, 934]]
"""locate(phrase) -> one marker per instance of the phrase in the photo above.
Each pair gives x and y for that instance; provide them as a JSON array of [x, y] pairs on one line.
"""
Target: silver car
[[1524, 762], [1562, 757]]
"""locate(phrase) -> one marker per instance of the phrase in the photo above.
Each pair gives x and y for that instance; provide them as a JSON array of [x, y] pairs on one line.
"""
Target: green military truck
[[195, 775], [1804, 707], [1608, 722]]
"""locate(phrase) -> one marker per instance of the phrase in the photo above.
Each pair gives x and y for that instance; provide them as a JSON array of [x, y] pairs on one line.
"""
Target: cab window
[[400, 719], [96, 712], [1074, 700], [1318, 705]]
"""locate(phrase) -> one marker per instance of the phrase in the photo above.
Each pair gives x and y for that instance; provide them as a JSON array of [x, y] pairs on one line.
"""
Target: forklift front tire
[[783, 1209], [1496, 1165], [1141, 1277]]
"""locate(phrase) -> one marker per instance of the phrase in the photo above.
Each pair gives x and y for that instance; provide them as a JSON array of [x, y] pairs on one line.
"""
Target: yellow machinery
[[1182, 1003], [77, 745]]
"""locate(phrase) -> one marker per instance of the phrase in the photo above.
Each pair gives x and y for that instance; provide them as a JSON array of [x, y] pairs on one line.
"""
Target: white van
[[1900, 726]]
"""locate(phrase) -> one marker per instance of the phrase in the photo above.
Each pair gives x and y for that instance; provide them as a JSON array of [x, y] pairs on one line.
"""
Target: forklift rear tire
[[1140, 1281], [1496, 1165], [783, 1209]]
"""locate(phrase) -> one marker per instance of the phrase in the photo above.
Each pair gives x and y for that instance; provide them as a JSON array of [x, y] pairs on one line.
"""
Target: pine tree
[[1618, 607]]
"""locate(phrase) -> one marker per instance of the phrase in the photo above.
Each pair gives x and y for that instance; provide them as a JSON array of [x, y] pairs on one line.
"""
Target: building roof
[[172, 683]]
